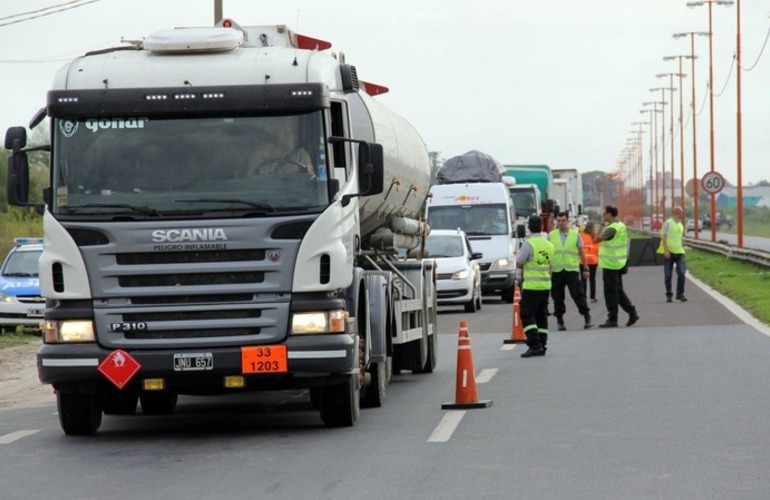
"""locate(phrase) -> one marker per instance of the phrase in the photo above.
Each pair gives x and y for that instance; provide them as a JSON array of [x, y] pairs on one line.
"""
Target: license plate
[[264, 359], [191, 362], [34, 313]]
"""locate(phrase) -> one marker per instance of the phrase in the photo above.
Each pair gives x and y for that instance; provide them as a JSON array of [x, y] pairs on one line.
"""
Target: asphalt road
[[673, 407]]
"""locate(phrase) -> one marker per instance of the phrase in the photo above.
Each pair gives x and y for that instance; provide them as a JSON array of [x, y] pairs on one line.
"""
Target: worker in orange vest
[[591, 253]]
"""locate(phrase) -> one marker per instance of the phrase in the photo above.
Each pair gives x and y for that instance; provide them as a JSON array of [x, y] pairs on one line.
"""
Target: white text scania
[[179, 235]]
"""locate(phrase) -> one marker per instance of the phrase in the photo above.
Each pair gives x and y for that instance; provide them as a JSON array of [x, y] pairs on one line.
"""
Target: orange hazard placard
[[264, 359]]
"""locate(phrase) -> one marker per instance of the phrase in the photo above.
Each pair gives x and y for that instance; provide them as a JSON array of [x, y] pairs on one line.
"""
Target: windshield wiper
[[143, 210], [20, 275], [262, 206]]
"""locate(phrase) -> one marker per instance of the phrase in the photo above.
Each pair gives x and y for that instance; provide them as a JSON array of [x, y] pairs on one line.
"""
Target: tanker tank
[[407, 165]]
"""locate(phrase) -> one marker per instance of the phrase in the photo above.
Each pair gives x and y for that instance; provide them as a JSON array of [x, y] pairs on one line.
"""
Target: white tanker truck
[[224, 214]]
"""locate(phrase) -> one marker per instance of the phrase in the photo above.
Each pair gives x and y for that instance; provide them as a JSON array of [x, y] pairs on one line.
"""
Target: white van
[[485, 212]]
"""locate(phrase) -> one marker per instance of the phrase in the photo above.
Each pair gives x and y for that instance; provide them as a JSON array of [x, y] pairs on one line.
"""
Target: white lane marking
[[486, 375], [734, 308], [508, 347], [15, 436], [444, 430]]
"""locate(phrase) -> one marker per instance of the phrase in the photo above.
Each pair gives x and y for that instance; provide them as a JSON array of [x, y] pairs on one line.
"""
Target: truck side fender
[[378, 286], [357, 298]]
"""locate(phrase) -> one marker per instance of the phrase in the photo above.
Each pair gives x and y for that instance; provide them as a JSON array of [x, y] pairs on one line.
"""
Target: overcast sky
[[527, 81]]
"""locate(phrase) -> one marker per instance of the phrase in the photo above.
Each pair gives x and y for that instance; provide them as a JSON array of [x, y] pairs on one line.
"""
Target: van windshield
[[475, 220]]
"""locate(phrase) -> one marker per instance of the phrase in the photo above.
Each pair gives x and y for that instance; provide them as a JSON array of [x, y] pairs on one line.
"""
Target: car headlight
[[5, 298], [460, 275], [501, 265], [318, 322], [68, 331]]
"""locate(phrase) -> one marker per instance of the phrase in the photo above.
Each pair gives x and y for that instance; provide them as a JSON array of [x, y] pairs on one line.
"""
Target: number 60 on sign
[[712, 182]]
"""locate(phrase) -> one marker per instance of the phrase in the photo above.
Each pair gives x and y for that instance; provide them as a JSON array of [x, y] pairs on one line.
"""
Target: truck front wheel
[[340, 404], [79, 414]]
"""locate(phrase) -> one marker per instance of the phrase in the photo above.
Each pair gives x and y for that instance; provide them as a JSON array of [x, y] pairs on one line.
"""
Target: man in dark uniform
[[534, 258]]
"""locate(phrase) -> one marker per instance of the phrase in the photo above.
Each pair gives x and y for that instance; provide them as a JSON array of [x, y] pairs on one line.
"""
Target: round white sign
[[712, 182]]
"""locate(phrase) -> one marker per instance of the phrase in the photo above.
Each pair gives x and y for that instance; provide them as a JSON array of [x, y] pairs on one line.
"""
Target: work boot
[[681, 298], [668, 298], [588, 323], [561, 327], [533, 351], [632, 319], [609, 324]]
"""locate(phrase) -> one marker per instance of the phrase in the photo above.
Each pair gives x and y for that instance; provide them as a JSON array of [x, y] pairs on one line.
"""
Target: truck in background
[[173, 263], [574, 199], [541, 177], [526, 199], [562, 197]]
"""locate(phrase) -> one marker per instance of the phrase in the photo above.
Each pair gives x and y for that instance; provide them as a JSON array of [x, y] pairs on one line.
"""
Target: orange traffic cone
[[465, 393], [517, 336]]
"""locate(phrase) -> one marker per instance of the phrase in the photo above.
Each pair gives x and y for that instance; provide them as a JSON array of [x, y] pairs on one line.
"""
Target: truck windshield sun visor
[[220, 100]]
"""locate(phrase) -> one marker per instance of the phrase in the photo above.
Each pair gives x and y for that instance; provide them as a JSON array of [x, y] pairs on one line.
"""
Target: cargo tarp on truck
[[473, 166]]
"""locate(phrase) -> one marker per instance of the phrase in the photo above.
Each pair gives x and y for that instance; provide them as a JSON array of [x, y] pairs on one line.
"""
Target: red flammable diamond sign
[[119, 367]]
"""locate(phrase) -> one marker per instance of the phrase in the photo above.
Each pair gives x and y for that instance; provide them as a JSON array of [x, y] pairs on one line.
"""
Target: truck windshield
[[524, 202], [475, 220], [190, 166]]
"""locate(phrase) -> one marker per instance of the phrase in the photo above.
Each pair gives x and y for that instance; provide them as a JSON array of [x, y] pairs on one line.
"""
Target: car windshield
[[22, 264], [155, 167], [444, 246]]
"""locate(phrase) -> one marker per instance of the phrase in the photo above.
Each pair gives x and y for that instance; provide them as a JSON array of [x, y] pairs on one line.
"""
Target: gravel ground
[[19, 384]]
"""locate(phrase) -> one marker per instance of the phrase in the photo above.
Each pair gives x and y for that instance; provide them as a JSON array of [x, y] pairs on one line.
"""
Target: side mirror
[[476, 255], [521, 231], [371, 168], [17, 179], [16, 138], [552, 207]]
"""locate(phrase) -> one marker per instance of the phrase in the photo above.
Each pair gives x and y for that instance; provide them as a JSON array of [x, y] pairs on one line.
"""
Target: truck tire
[[340, 404], [120, 402], [374, 394], [430, 361], [79, 414], [158, 402]]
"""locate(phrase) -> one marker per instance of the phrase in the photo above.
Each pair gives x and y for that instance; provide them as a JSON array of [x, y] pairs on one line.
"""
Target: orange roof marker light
[[374, 89]]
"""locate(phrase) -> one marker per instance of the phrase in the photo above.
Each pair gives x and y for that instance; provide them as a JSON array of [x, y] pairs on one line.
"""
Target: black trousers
[[614, 295], [571, 280], [533, 308], [590, 281]]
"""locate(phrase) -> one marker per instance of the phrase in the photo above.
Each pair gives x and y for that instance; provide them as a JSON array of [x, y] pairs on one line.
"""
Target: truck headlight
[[501, 265], [57, 332], [315, 322], [460, 275]]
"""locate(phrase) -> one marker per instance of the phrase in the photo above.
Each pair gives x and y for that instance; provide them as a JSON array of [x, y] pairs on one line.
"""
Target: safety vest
[[589, 249], [613, 254], [537, 270], [566, 257], [673, 237]]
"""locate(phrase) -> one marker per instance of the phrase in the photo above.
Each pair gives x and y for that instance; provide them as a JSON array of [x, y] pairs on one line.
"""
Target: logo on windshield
[[68, 127]]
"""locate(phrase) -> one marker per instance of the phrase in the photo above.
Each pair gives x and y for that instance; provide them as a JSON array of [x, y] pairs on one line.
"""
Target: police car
[[20, 300]]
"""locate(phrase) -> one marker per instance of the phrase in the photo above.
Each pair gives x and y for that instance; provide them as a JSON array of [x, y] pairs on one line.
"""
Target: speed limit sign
[[712, 182]]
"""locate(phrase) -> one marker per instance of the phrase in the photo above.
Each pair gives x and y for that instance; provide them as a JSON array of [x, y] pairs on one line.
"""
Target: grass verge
[[746, 284], [9, 339]]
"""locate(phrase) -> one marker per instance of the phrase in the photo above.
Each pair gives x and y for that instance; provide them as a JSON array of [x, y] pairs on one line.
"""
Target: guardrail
[[757, 257], [754, 256]]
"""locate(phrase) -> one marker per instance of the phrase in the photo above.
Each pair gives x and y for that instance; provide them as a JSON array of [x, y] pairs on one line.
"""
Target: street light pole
[[710, 3], [738, 127], [671, 130], [661, 200], [681, 123], [695, 182]]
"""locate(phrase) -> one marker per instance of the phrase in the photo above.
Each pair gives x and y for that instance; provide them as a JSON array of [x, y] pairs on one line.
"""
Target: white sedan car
[[457, 268]]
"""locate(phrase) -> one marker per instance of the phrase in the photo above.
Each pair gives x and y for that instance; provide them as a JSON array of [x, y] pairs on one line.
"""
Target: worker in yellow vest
[[534, 258], [613, 257], [568, 263], [672, 248]]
